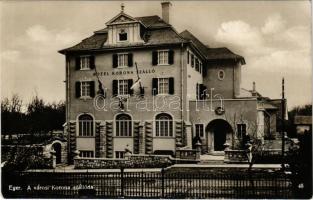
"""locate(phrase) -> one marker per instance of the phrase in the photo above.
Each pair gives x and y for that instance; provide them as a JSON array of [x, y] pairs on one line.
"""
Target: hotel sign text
[[124, 72]]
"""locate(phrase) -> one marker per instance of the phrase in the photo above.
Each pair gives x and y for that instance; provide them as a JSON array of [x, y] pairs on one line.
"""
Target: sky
[[273, 36]]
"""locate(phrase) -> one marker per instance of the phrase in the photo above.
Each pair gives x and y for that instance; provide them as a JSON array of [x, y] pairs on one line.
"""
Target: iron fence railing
[[164, 184]]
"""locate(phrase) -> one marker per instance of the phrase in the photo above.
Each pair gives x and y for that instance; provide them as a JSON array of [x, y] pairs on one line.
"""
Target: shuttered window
[[122, 87], [162, 86], [85, 62], [122, 60], [163, 57], [85, 89]]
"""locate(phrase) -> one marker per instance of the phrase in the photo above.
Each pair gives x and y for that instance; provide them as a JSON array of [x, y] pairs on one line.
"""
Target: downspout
[[67, 66], [234, 82], [181, 86]]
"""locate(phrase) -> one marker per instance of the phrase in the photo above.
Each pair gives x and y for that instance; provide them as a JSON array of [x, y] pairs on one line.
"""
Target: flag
[[136, 85]]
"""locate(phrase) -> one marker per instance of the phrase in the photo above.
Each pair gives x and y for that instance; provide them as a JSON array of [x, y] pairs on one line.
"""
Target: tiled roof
[[189, 36], [158, 32], [95, 41], [164, 35], [223, 53], [152, 21], [152, 37], [303, 120], [211, 53]]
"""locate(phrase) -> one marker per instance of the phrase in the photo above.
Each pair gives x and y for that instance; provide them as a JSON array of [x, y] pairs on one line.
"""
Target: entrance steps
[[212, 159]]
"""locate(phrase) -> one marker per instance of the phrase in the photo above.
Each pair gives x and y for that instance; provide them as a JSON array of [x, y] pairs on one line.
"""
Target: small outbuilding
[[303, 124]]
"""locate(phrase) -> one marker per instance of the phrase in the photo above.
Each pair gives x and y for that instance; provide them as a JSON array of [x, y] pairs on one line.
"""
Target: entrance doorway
[[57, 148], [217, 131]]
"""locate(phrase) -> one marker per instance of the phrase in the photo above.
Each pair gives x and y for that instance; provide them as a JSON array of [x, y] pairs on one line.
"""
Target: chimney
[[253, 87], [254, 93], [166, 6]]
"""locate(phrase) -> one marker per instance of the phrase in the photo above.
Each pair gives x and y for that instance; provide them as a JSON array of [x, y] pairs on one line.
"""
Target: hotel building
[[140, 85]]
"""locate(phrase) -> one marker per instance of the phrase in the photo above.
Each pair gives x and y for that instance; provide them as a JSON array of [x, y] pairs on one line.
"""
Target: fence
[[147, 185]]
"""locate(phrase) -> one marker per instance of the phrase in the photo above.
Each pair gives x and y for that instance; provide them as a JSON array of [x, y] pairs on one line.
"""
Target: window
[[85, 89], [84, 62], [200, 68], [86, 154], [192, 60], [188, 57], [198, 91], [221, 74], [199, 130], [119, 154], [163, 86], [85, 125], [163, 57], [123, 125], [201, 91], [197, 64], [122, 35], [241, 130], [164, 125], [122, 87], [122, 60]]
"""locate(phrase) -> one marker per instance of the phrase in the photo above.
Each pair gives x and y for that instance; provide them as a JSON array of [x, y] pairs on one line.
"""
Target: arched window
[[123, 125], [85, 123], [164, 125]]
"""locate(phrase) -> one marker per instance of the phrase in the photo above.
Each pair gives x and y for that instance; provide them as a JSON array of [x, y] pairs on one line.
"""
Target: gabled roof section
[[223, 53], [197, 43], [121, 18], [95, 41], [212, 53]]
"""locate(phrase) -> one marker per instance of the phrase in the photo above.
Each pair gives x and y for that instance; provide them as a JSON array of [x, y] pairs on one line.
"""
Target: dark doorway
[[57, 149], [219, 128]]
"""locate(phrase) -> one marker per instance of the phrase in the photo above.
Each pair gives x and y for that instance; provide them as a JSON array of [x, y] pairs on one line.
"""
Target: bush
[[23, 158]]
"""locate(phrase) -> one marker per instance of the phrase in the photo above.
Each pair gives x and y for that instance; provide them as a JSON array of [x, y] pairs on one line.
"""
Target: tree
[[11, 116], [305, 110]]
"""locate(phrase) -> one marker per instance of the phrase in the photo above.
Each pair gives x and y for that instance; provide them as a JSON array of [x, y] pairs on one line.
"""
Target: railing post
[[162, 180], [122, 181]]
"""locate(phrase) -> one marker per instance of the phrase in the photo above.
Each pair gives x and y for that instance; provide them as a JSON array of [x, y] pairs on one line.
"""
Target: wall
[[164, 144], [86, 143], [139, 109], [236, 111], [229, 87], [193, 77], [104, 64]]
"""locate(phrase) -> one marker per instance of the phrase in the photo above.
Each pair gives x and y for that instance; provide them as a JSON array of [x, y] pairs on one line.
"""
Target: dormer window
[[122, 35]]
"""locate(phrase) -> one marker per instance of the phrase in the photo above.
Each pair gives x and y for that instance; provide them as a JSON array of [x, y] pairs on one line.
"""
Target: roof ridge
[[148, 16]]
